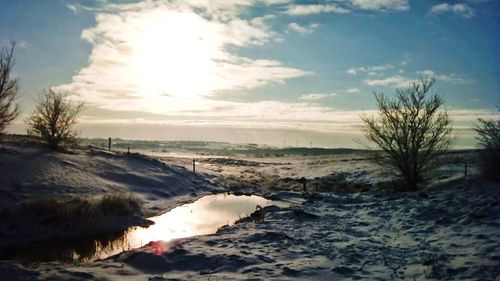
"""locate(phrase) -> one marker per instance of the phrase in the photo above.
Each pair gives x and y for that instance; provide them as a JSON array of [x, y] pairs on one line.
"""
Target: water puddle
[[201, 217]]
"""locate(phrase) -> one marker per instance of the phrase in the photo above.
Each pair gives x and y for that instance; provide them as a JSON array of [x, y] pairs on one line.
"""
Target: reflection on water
[[203, 216], [84, 250]]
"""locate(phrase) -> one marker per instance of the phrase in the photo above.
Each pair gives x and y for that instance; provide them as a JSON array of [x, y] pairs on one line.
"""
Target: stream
[[202, 217]]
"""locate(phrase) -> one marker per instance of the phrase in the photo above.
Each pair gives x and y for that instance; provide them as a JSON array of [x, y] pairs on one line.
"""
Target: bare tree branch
[[9, 109], [53, 118], [489, 140], [410, 130]]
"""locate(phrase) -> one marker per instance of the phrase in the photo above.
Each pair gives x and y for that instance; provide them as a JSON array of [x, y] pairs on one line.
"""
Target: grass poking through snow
[[77, 209]]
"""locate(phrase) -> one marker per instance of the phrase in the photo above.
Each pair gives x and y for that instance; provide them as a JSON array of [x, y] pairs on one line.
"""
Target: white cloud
[[355, 70], [353, 90], [400, 81], [371, 70], [471, 115], [381, 5], [302, 30], [460, 9], [274, 2], [450, 78], [308, 116], [163, 57], [316, 96], [395, 81], [302, 10], [347, 6], [254, 115], [72, 8]]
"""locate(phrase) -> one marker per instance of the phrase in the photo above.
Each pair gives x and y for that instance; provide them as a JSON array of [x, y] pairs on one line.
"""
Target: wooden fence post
[[303, 180]]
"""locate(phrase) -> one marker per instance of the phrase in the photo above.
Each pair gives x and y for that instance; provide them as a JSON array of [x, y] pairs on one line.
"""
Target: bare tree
[[410, 131], [53, 118], [489, 140], [9, 110]]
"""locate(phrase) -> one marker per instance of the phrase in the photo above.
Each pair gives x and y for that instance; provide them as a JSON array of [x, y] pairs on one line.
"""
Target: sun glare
[[174, 54]]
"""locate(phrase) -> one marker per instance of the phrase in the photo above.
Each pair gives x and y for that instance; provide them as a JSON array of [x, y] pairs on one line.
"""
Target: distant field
[[214, 148]]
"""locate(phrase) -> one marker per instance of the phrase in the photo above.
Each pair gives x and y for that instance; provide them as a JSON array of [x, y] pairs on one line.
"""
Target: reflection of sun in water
[[173, 55], [204, 216]]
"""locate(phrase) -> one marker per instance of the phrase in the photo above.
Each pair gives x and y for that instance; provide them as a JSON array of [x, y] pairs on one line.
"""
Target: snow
[[374, 235], [33, 171]]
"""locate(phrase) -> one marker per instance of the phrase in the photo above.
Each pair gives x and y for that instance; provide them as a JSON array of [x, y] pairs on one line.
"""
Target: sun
[[174, 54]]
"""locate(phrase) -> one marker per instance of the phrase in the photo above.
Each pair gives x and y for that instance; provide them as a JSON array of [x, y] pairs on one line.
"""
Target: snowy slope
[[29, 170]]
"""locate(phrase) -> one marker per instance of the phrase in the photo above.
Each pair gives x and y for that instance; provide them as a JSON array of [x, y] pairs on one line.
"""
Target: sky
[[277, 72]]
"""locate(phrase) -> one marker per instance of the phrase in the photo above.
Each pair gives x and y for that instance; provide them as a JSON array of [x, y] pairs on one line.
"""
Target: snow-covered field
[[30, 170], [376, 234]]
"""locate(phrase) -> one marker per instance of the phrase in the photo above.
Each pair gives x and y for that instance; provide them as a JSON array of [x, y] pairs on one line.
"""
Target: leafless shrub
[[53, 119], [489, 140], [410, 131], [9, 110]]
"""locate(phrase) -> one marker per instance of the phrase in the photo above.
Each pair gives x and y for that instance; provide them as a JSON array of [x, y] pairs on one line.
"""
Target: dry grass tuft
[[82, 210]]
